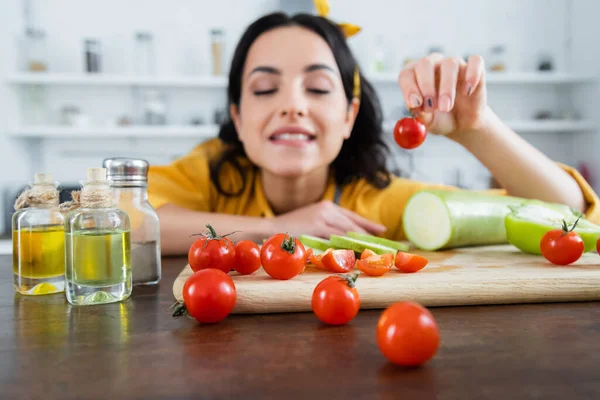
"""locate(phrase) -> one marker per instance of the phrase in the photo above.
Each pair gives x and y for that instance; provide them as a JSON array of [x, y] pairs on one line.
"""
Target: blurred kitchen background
[[81, 80]]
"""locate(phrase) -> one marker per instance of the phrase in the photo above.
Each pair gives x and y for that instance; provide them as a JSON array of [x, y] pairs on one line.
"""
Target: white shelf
[[511, 78], [531, 126], [77, 79], [168, 131], [57, 79]]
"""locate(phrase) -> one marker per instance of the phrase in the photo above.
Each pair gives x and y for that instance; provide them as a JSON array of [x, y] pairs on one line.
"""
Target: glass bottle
[[129, 177], [98, 245], [144, 53], [36, 57], [38, 239], [217, 38]]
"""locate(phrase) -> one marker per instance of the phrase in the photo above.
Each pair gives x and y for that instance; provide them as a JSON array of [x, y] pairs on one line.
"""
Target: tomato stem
[[179, 309], [566, 228], [350, 279], [288, 244]]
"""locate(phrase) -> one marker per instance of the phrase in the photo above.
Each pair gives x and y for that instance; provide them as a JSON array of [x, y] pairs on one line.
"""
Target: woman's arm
[[450, 96], [518, 166], [177, 224]]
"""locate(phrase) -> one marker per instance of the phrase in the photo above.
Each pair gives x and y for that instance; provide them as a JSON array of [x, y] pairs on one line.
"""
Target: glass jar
[[217, 43], [154, 110], [98, 245], [36, 52], [92, 55], [38, 239], [129, 177], [498, 59], [144, 54]]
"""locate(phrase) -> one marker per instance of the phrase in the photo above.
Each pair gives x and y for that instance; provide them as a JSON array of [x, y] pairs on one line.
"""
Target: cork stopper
[[96, 174], [43, 178]]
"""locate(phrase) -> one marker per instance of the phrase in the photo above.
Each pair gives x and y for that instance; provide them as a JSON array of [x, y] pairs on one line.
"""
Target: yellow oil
[[39, 252], [98, 259]]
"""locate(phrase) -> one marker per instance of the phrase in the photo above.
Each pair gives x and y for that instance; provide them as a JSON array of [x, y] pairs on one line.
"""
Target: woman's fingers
[[409, 88], [364, 223], [425, 77], [449, 69], [473, 75]]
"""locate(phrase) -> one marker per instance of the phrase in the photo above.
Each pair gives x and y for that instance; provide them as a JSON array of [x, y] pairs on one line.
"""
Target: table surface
[[135, 349]]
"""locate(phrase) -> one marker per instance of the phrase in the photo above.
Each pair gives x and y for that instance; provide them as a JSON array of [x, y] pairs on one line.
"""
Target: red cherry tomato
[[408, 262], [367, 253], [376, 265], [339, 260], [407, 334], [212, 251], [410, 133], [562, 246], [247, 257], [335, 300], [209, 295], [283, 256]]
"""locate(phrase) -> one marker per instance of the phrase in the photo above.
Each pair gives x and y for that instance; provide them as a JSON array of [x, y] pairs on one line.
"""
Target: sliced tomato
[[317, 259], [367, 253], [376, 265], [339, 260], [408, 262]]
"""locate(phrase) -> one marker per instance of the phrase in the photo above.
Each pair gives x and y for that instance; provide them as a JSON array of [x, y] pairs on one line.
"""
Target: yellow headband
[[349, 30]]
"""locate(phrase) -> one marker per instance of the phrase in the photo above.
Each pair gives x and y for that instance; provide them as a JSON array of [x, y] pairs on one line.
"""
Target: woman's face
[[293, 115]]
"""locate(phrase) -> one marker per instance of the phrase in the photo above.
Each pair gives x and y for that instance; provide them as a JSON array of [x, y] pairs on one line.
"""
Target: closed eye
[[318, 91], [264, 92]]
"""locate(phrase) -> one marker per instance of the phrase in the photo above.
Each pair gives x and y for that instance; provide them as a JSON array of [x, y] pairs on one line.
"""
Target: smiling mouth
[[289, 137]]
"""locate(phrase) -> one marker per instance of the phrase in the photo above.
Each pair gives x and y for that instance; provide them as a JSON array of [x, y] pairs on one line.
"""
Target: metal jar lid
[[122, 169]]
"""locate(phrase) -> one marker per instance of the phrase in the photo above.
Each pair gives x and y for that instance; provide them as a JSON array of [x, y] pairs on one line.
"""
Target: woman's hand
[[448, 94], [323, 219]]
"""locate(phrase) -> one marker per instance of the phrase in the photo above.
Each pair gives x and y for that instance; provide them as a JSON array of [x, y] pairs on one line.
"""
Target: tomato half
[[407, 334], [317, 259], [247, 257], [335, 300], [410, 133], [209, 295], [376, 265], [339, 260], [408, 262], [212, 251], [562, 248], [283, 256], [367, 253]]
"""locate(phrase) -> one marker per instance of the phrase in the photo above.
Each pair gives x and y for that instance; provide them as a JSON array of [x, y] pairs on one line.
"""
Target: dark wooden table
[[51, 350]]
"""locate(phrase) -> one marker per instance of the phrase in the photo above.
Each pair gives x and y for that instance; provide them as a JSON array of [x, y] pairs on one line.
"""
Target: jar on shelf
[[217, 36], [36, 51], [154, 108], [497, 61], [92, 55], [144, 62], [129, 178]]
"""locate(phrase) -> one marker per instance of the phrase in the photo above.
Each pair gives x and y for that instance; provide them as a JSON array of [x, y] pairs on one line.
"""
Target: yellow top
[[186, 183]]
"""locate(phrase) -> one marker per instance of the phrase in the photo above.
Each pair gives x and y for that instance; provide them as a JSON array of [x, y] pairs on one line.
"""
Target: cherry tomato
[[339, 260], [212, 251], [410, 133], [376, 265], [407, 334], [408, 262], [562, 246], [367, 253], [209, 295], [247, 257], [335, 300], [283, 256]]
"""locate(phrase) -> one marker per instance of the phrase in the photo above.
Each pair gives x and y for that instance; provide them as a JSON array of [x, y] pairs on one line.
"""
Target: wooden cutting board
[[467, 276]]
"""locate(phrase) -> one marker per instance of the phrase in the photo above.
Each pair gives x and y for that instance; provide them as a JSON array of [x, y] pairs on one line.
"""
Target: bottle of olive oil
[[97, 245], [38, 239]]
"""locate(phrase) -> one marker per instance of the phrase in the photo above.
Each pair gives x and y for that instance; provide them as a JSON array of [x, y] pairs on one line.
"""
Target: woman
[[303, 149]]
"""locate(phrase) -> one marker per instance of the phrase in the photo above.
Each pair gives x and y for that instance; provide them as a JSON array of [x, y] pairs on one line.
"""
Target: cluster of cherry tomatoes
[[406, 332]]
